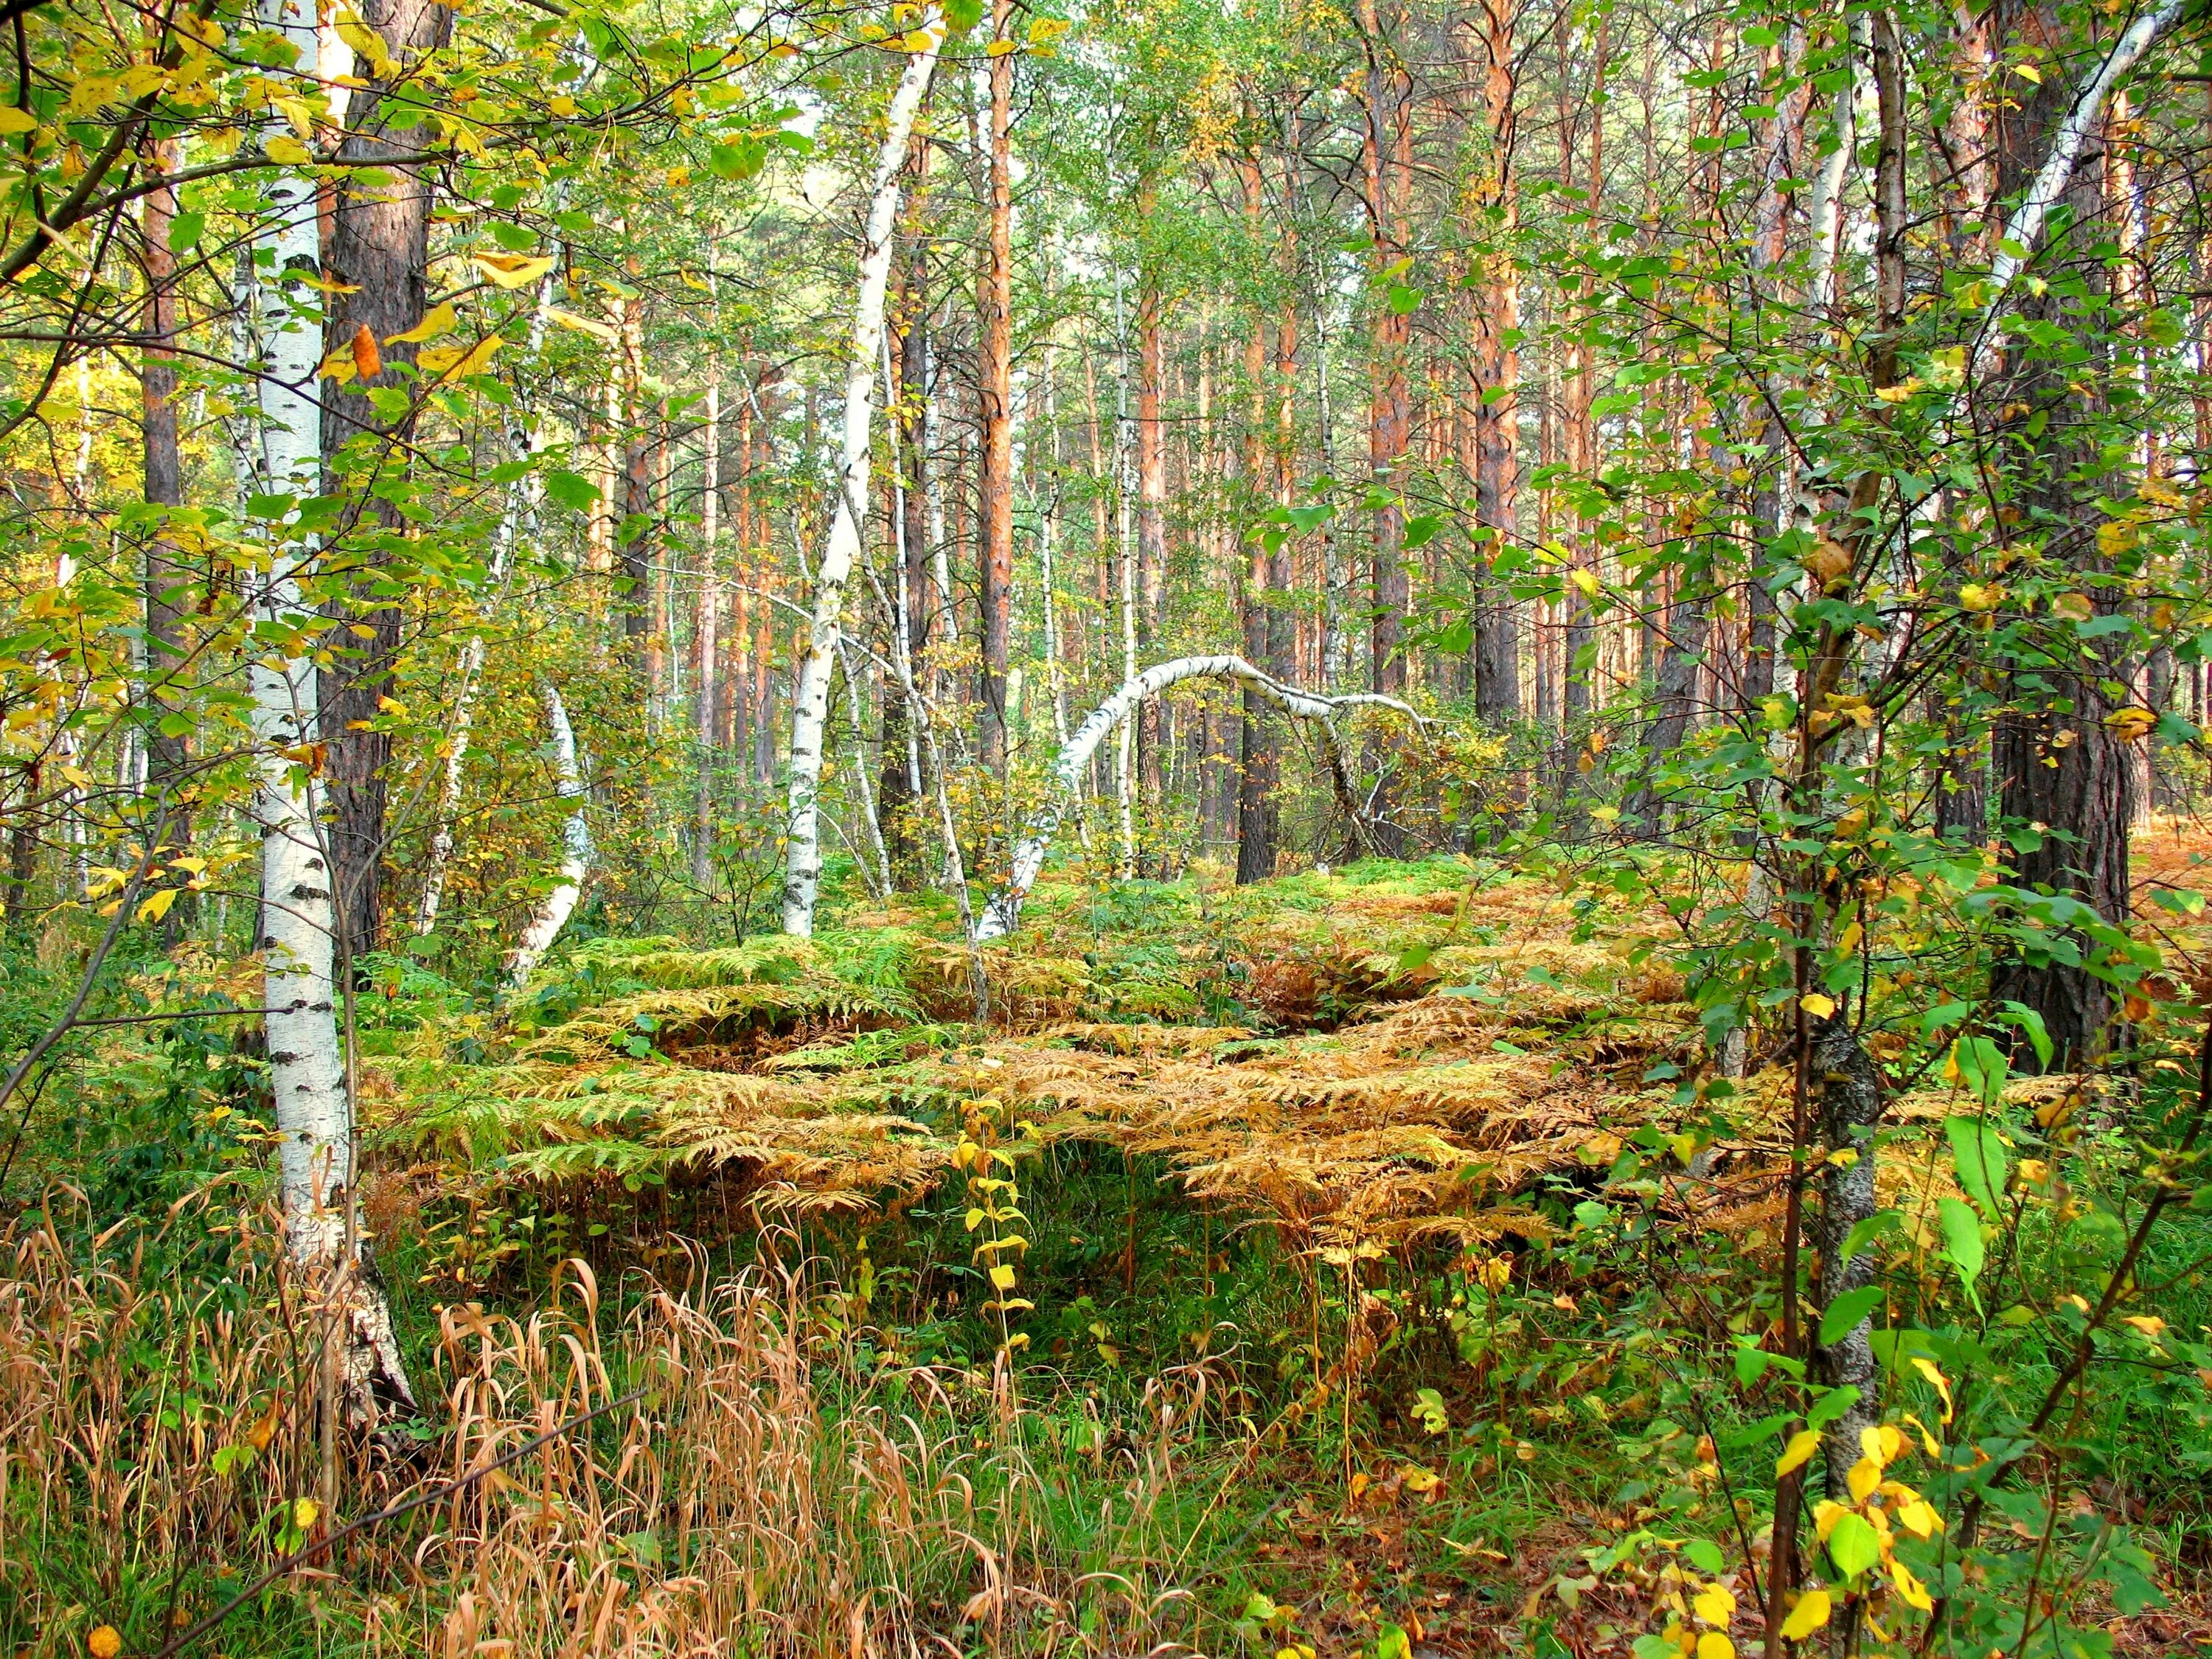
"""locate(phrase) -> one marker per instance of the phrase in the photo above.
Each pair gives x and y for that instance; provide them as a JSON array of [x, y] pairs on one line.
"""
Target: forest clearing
[[1227, 827]]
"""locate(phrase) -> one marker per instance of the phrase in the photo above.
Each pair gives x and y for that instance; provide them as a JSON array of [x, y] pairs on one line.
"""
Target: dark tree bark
[[2058, 764], [168, 578], [379, 263]]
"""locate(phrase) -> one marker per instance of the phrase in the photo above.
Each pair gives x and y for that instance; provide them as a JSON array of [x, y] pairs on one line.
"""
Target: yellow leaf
[[1715, 1604], [452, 363], [104, 1642], [1811, 1614], [287, 152], [1418, 1480], [157, 904], [582, 325], [1714, 1645], [1977, 596], [513, 270], [1001, 49], [1819, 1006], [1908, 1588], [1799, 1452], [436, 321], [12, 121], [1919, 1517], [1865, 1475], [562, 105], [305, 1513], [974, 1219], [1002, 1277], [1586, 580], [2149, 1324]]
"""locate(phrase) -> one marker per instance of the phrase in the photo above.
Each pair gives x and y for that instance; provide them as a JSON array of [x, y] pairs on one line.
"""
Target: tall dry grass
[[767, 1494]]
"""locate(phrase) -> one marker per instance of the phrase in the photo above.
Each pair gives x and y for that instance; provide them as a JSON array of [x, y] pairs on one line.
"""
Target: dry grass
[[765, 1496]]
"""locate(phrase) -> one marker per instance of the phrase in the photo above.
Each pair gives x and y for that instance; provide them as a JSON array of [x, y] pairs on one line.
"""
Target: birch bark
[[811, 707], [1004, 912], [299, 922]]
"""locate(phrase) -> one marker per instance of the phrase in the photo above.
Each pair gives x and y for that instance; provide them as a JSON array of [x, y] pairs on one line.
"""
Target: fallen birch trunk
[[1004, 912]]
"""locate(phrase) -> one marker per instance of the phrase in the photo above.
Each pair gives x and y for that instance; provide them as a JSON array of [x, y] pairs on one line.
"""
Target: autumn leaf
[[367, 361], [513, 270], [439, 319], [1811, 1614]]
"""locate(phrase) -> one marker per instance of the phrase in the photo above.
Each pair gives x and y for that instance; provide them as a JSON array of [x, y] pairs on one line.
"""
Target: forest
[[1275, 829]]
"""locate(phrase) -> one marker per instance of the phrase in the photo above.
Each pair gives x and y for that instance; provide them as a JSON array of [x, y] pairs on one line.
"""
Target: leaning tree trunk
[[810, 709], [1004, 912], [299, 923], [558, 905]]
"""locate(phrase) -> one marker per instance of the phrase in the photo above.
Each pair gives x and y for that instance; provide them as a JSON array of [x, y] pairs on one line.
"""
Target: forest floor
[[1366, 1273]]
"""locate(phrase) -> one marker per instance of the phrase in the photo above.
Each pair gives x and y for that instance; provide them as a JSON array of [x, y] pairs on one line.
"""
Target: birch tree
[[811, 709], [307, 1067]]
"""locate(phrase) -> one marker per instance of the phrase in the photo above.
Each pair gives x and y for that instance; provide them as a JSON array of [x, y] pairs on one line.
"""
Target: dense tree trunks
[[1386, 163], [1152, 542], [1258, 765], [994, 398], [168, 577], [2060, 766], [706, 634], [1494, 371], [378, 266]]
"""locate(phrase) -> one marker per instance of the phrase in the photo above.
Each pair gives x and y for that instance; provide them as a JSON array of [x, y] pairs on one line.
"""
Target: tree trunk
[[553, 912], [1152, 545], [1257, 813], [380, 262], [168, 578], [803, 848], [2060, 766], [1003, 914], [1494, 365], [995, 396], [706, 634], [299, 923]]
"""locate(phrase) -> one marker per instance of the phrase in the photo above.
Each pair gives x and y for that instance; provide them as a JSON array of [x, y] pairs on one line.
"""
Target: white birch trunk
[[1003, 914], [810, 704], [299, 922], [560, 904]]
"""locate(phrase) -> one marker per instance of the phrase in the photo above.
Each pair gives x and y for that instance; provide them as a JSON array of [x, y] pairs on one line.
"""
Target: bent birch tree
[[1004, 912], [551, 916], [299, 912], [811, 707]]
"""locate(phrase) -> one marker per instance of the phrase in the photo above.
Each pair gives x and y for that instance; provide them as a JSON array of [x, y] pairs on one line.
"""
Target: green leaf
[[1844, 1315], [1403, 300], [1423, 529], [1853, 1546], [1832, 1404], [571, 490], [1864, 1233], [1704, 1555], [961, 16], [1962, 1243], [1979, 1154], [1392, 1643], [185, 231]]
